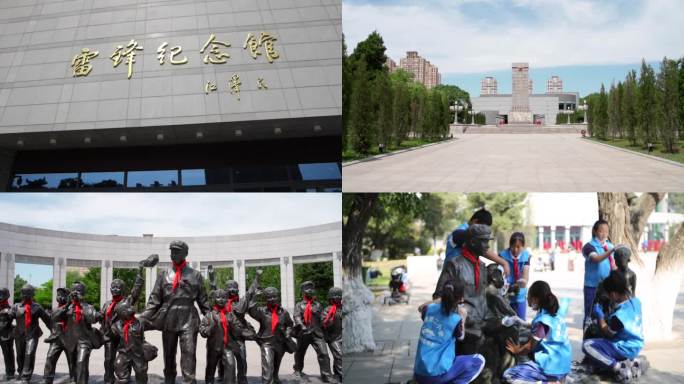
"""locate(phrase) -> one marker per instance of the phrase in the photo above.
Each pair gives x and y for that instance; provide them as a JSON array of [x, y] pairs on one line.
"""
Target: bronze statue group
[[172, 309], [475, 330]]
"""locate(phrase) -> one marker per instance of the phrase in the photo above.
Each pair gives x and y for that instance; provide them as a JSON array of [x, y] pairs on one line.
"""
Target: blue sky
[[586, 42], [165, 214]]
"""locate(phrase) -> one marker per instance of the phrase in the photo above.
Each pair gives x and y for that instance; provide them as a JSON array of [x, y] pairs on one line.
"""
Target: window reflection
[[320, 171], [45, 181], [102, 179], [259, 173], [152, 179], [193, 177]]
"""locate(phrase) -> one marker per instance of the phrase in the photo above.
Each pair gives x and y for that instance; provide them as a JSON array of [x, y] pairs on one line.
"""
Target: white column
[[337, 269], [287, 283], [666, 232], [540, 239], [553, 236], [567, 236], [150, 279], [240, 275], [59, 269], [106, 277], [7, 273]]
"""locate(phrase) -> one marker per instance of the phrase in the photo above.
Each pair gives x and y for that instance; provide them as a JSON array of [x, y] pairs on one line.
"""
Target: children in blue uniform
[[443, 323], [549, 342], [623, 331], [519, 262], [455, 240], [597, 262]]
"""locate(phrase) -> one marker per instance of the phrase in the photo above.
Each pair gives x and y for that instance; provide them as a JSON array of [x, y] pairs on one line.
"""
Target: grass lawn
[[658, 151], [350, 155], [385, 267]]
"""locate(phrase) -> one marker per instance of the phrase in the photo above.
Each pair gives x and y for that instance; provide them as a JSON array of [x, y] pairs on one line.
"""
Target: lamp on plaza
[[584, 107], [457, 108]]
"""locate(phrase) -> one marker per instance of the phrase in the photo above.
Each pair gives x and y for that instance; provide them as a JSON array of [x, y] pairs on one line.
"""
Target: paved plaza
[[513, 162], [156, 366], [396, 329]]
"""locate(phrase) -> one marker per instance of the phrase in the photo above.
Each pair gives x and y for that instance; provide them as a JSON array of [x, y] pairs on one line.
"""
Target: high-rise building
[[391, 64], [554, 85], [423, 71], [488, 86]]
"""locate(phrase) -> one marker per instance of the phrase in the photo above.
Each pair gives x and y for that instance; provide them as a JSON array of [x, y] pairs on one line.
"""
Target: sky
[[164, 214], [586, 42]]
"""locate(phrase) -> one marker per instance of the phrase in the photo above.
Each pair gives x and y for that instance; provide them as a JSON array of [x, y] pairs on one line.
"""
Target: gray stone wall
[[39, 38]]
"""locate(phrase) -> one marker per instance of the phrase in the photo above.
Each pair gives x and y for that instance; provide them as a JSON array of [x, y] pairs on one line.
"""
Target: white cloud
[[557, 33], [177, 214]]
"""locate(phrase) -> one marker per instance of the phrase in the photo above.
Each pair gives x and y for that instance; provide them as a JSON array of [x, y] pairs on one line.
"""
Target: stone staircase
[[461, 129]]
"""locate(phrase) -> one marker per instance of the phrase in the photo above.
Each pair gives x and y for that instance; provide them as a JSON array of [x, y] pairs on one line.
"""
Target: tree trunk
[[658, 281], [357, 298], [615, 209]]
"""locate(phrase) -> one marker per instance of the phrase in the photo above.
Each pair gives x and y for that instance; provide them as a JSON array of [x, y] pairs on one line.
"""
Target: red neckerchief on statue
[[229, 304], [115, 300], [27, 313], [224, 322], [126, 326], [330, 317], [77, 310], [308, 311], [274, 317], [179, 272], [476, 265], [610, 257]]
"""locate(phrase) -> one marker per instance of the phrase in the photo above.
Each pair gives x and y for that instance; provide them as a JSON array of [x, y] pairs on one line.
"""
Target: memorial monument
[[520, 110]]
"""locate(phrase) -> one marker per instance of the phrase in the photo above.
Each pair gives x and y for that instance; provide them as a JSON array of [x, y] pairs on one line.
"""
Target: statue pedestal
[[520, 117]]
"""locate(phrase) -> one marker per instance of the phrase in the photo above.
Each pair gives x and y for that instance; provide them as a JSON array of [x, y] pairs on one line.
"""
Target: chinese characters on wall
[[212, 52]]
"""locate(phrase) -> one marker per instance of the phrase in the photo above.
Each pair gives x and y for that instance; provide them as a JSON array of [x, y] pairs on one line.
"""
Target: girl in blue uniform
[[443, 324], [623, 331], [549, 342], [519, 262], [598, 261]]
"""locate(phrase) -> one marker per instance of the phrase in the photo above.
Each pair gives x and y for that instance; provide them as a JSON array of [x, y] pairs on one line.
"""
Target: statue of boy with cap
[[27, 331], [171, 309]]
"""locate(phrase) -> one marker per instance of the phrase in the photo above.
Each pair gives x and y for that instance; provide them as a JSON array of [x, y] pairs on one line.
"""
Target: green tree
[[647, 104], [668, 83], [91, 280], [269, 278], [362, 116], [401, 106], [346, 92], [507, 211], [629, 108], [320, 273], [681, 98], [383, 99], [372, 52], [19, 282], [418, 96], [600, 115], [613, 111], [44, 295], [128, 276]]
